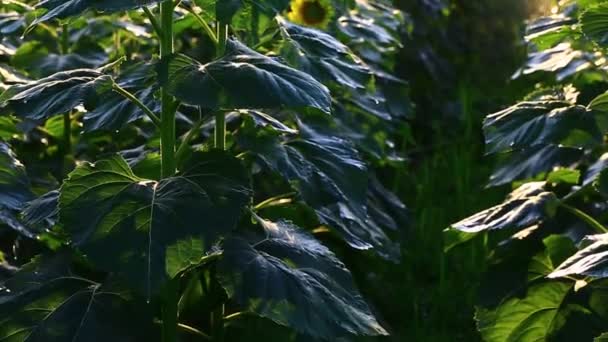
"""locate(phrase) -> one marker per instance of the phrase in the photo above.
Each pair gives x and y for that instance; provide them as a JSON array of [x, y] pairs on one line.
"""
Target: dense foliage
[[174, 170], [546, 279]]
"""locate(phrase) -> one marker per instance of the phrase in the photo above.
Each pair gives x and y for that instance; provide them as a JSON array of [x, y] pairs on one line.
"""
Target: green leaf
[[600, 103], [593, 23], [60, 9], [322, 56], [602, 338], [114, 111], [56, 94], [530, 162], [329, 175], [564, 176], [47, 301], [42, 211], [546, 32], [536, 317], [148, 231], [14, 183], [590, 261], [236, 81], [295, 281], [540, 123], [562, 60], [526, 206]]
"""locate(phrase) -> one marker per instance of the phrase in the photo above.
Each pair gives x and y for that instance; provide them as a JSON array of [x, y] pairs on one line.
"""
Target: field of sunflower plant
[[303, 170]]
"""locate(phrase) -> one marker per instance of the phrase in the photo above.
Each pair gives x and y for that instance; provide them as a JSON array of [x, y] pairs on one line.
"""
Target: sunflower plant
[[547, 242], [179, 170]]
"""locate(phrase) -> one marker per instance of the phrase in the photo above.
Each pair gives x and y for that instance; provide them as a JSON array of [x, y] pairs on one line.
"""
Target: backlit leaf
[[295, 281], [148, 231], [236, 81]]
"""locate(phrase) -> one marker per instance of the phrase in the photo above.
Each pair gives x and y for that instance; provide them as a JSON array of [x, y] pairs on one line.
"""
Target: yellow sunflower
[[315, 13]]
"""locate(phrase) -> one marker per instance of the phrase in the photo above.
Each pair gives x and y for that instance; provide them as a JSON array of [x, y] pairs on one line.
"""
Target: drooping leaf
[[47, 301], [14, 183], [43, 210], [530, 162], [113, 111], [56, 94], [323, 56], [236, 81], [148, 231], [529, 124], [536, 317], [562, 60], [295, 281], [61, 9], [591, 261], [524, 207], [329, 175], [548, 31]]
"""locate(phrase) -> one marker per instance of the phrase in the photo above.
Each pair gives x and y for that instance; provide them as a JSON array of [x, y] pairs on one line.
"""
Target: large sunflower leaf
[[329, 175], [323, 56], [539, 123], [530, 162], [590, 261], [56, 94], [236, 81], [533, 318], [148, 231], [295, 281], [524, 207], [562, 60], [66, 8], [46, 301]]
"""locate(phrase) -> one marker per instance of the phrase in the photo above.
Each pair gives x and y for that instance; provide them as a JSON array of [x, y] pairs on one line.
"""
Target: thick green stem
[[167, 129], [590, 221], [66, 147], [217, 316], [222, 37], [170, 296], [220, 130], [220, 117], [67, 133], [255, 25], [169, 311]]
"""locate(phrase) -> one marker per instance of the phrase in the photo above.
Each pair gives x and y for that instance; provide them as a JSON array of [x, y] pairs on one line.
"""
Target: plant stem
[[220, 117], [138, 103], [167, 129], [255, 25], [203, 23], [220, 130], [67, 133], [170, 296], [169, 310], [155, 25], [598, 227], [222, 38], [217, 316], [67, 120]]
